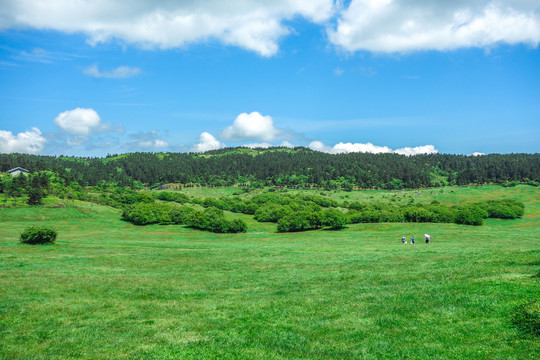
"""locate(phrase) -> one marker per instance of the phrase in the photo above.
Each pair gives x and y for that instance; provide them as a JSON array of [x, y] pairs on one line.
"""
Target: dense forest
[[298, 167]]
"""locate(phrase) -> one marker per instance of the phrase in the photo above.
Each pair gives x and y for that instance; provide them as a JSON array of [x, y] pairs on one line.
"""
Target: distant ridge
[[289, 167]]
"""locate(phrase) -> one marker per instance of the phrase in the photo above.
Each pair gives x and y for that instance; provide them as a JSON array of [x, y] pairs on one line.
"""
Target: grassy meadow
[[111, 290]]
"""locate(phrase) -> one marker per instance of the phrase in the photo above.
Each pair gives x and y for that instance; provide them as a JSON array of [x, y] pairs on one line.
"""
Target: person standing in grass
[[412, 240], [403, 240], [428, 238]]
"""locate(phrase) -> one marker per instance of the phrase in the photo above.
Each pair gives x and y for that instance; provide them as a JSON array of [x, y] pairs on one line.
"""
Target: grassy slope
[[109, 289]]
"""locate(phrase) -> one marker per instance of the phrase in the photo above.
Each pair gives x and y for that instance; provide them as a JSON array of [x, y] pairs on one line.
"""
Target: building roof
[[17, 169]]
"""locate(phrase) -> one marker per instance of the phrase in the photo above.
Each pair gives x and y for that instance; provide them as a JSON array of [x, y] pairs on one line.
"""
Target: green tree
[[35, 196]]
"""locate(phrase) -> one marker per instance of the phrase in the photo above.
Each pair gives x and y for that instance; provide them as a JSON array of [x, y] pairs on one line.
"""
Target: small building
[[169, 187], [18, 171]]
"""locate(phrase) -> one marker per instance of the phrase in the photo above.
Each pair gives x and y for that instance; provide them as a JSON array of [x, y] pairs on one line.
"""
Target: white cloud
[[266, 145], [258, 26], [477, 154], [426, 149], [263, 145], [342, 148], [402, 25], [252, 126], [80, 122], [319, 146], [207, 142], [250, 24], [120, 72], [359, 147], [31, 142]]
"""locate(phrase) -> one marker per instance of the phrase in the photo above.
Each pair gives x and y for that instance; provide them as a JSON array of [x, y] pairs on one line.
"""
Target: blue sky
[[102, 77]]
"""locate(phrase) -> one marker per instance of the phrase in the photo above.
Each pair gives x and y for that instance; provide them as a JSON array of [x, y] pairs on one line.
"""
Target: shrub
[[527, 318], [213, 202], [503, 209], [392, 216], [353, 216], [370, 216], [355, 205], [248, 208], [237, 226], [300, 221], [471, 215], [38, 235], [334, 219], [510, 183], [271, 212], [319, 200], [181, 215], [443, 214], [293, 222], [145, 214], [213, 220], [418, 214], [164, 195]]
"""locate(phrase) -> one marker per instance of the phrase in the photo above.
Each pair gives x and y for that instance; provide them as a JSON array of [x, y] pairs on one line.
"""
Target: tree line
[[298, 167]]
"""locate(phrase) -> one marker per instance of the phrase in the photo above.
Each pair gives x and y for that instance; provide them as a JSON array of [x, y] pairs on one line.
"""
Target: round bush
[[471, 215], [38, 235]]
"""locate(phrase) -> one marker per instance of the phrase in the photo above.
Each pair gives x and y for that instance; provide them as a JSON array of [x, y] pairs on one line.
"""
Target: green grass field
[[111, 290]]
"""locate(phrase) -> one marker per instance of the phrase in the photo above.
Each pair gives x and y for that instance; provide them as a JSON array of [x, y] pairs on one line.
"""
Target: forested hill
[[286, 167]]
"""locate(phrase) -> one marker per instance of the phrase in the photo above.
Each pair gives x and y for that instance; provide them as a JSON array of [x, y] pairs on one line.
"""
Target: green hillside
[[109, 289]]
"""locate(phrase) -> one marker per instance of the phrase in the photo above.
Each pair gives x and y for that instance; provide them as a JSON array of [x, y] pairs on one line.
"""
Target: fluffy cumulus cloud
[[207, 142], [370, 148], [120, 72], [80, 122], [252, 126], [250, 24], [403, 25], [426, 149], [372, 25], [31, 142]]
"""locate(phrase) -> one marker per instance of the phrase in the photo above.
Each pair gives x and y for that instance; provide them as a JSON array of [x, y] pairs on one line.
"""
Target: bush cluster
[[307, 212], [504, 209], [146, 214], [271, 212], [38, 235], [471, 214], [211, 219], [310, 220], [233, 204], [171, 196]]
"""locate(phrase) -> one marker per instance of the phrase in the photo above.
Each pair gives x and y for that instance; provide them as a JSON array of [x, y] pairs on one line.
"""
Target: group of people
[[426, 237]]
